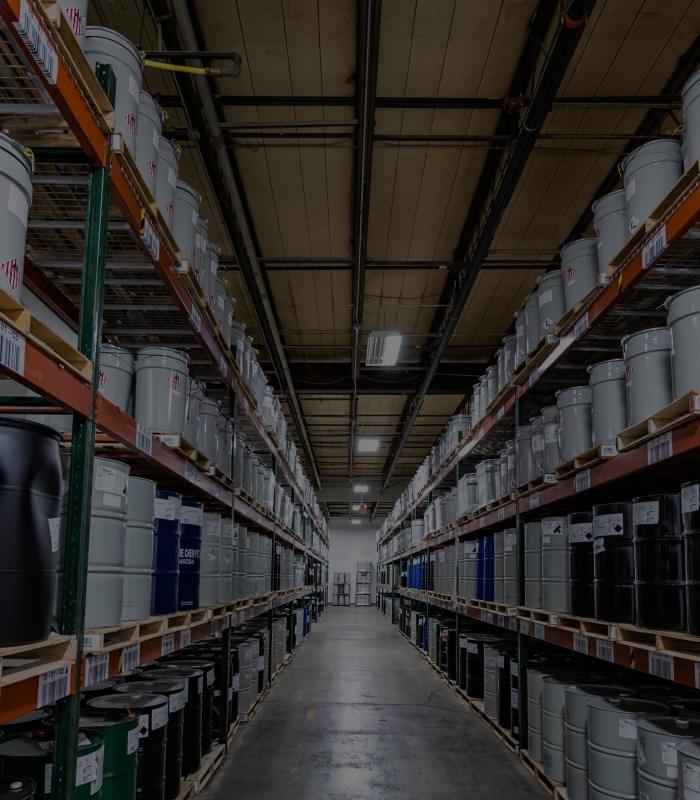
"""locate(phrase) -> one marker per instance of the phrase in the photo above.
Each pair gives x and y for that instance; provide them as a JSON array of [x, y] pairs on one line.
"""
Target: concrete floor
[[359, 715]]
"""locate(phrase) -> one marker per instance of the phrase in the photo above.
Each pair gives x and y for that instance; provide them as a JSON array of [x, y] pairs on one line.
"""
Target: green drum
[[31, 755], [120, 730]]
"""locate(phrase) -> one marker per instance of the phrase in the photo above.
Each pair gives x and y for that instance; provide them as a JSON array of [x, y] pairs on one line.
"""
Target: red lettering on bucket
[[11, 269], [131, 122]]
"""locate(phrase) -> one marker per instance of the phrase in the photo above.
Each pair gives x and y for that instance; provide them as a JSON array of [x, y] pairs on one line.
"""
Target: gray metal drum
[[684, 330], [532, 322], [161, 389], [612, 745], [239, 448], [210, 265], [498, 546], [550, 300], [491, 681], [537, 446], [225, 572], [492, 383], [576, 701], [512, 465], [553, 757], [533, 564], [535, 689], [691, 117], [555, 564], [75, 12], [148, 140], [550, 435], [224, 448], [193, 413], [166, 180], [501, 369], [650, 172], [206, 433], [503, 470], [209, 569], [688, 771], [105, 46], [609, 400], [202, 260], [520, 339], [575, 422], [483, 396], [238, 338], [138, 549], [523, 453], [657, 759], [579, 267], [647, 357], [185, 218], [220, 306], [16, 197], [610, 223], [228, 319], [510, 344], [510, 566], [116, 375], [475, 405]]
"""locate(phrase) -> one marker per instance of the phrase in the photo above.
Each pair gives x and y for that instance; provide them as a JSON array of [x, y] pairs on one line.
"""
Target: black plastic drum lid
[[128, 701], [13, 787], [32, 427]]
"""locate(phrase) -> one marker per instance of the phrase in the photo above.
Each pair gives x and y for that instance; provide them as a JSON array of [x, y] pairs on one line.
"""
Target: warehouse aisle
[[359, 715]]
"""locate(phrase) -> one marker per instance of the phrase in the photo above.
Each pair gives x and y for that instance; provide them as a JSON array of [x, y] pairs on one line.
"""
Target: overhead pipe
[[557, 62], [184, 21]]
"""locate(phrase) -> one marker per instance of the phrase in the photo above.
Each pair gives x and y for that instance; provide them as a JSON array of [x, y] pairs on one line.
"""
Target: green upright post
[[72, 620], [522, 639]]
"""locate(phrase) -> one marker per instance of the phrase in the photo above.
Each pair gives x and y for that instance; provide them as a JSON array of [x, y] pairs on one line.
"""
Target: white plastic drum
[[647, 357], [206, 438], [161, 389], [520, 339], [523, 451], [553, 728], [550, 299], [575, 422], [75, 12], [610, 223], [579, 267], [550, 433], [609, 400], [193, 413], [148, 139], [533, 564], [532, 322], [657, 759], [105, 46], [138, 549], [688, 771], [166, 180], [16, 198], [684, 333], [116, 375], [185, 217], [691, 117]]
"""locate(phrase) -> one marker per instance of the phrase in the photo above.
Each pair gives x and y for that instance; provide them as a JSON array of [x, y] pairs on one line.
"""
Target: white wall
[[348, 545]]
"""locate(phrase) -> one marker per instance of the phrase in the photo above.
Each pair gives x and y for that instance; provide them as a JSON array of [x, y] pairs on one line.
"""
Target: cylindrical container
[[490, 681], [537, 447], [581, 574], [120, 728], [523, 454], [492, 383], [75, 12], [657, 759], [613, 562], [161, 389], [175, 692], [185, 218], [609, 400], [659, 562], [579, 269], [510, 567], [612, 745], [116, 375], [211, 542], [202, 260], [610, 223], [148, 139], [551, 302], [555, 564], [15, 787], [510, 344], [208, 668], [30, 498], [193, 411], [151, 712], [550, 434], [138, 549], [106, 46], [688, 770], [553, 757], [16, 197], [575, 422], [647, 357], [576, 703], [191, 522], [533, 564], [532, 322], [31, 721], [166, 552], [535, 689], [166, 180], [498, 567], [520, 339], [684, 330], [691, 117], [650, 172], [474, 662], [692, 561], [206, 432]]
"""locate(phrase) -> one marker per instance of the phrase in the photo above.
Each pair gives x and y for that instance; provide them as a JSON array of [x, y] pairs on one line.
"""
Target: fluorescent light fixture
[[356, 521], [360, 488], [367, 445], [383, 349], [355, 507]]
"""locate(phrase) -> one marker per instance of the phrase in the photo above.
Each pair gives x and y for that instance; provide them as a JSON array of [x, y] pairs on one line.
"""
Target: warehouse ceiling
[[365, 140]]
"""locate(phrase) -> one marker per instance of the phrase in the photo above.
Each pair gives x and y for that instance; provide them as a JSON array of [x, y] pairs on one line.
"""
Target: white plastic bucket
[[684, 332], [510, 344], [16, 197], [195, 393], [579, 267], [575, 423], [610, 223], [206, 439], [520, 339], [166, 180], [210, 257], [161, 389], [647, 357], [220, 307], [650, 172], [148, 139], [105, 46], [691, 116], [202, 259], [532, 322], [116, 375], [75, 12], [185, 217], [523, 450], [238, 339], [550, 300], [609, 400]]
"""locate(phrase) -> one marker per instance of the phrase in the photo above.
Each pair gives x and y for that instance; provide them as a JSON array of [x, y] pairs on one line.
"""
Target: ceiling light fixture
[[367, 445], [383, 349], [360, 488]]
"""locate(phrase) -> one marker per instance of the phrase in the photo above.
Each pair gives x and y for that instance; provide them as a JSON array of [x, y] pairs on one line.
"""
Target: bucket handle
[[30, 155]]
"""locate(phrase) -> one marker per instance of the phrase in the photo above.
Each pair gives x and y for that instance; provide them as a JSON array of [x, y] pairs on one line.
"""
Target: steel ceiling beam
[[498, 182], [367, 61], [344, 264]]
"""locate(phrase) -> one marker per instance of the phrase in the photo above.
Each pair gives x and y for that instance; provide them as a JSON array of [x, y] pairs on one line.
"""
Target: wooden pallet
[[186, 791], [676, 413], [210, 763], [586, 460], [29, 660], [178, 443], [534, 486], [534, 614], [598, 629], [105, 639], [537, 770], [14, 314]]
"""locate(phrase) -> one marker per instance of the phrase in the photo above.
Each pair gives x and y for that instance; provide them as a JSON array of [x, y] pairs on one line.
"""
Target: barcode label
[[580, 643], [539, 630], [190, 472], [524, 627], [92, 642], [653, 248], [482, 522], [581, 326], [144, 439], [661, 665], [37, 41], [227, 622], [534, 500], [185, 638], [582, 481], [150, 239], [483, 615], [489, 618], [501, 514], [12, 349], [131, 656], [53, 686], [215, 627], [223, 368], [196, 319], [660, 448], [604, 650], [608, 450], [96, 669], [168, 644], [534, 377], [513, 623]]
